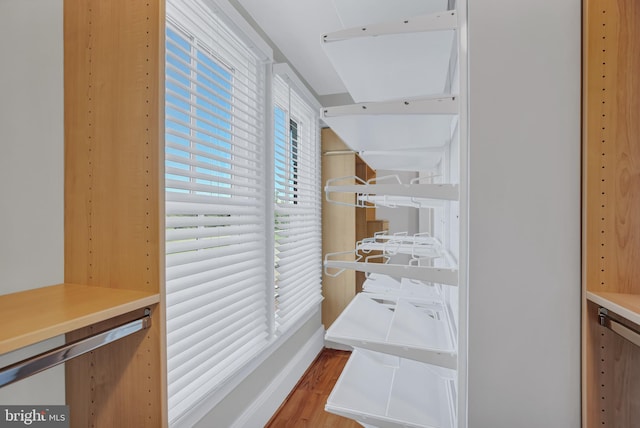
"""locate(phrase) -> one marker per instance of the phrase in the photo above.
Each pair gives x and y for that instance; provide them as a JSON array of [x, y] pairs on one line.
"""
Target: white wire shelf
[[420, 245], [366, 56], [389, 191], [419, 269], [384, 284], [388, 392], [376, 201], [419, 329]]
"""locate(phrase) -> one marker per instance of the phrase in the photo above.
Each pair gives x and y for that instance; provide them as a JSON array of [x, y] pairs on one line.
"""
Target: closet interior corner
[[404, 75]]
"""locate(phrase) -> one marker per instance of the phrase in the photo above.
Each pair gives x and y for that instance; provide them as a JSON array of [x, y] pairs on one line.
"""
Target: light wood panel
[[613, 396], [611, 207], [114, 208], [625, 305], [338, 227], [612, 147], [117, 385], [35, 315], [113, 68], [363, 215]]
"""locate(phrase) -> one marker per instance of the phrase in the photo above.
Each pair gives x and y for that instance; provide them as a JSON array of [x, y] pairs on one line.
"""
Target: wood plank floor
[[305, 405]]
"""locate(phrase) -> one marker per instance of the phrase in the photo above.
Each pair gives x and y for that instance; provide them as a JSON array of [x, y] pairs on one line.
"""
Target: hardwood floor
[[305, 405]]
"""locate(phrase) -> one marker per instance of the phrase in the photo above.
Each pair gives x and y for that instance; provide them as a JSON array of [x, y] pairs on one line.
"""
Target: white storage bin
[[384, 284], [413, 328], [388, 392]]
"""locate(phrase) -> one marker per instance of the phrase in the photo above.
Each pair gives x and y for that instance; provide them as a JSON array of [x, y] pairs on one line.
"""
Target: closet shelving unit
[[403, 75]]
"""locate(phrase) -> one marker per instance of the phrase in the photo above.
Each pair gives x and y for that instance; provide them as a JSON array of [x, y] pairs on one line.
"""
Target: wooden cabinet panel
[[338, 226], [114, 207], [611, 207], [343, 226]]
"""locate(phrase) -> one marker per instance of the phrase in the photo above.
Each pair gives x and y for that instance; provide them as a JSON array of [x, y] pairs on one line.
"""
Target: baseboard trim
[[268, 402]]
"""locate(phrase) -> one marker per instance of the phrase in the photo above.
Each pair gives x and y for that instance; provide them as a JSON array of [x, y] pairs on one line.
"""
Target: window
[[218, 311], [221, 170], [297, 205]]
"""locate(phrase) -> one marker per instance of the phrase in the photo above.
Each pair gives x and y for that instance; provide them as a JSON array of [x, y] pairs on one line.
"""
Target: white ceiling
[[296, 27]]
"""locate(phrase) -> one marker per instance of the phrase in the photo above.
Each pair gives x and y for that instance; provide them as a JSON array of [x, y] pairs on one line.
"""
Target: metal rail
[[36, 364], [631, 334]]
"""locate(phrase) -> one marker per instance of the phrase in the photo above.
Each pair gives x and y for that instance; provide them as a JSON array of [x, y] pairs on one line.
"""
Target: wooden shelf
[[625, 305], [31, 316]]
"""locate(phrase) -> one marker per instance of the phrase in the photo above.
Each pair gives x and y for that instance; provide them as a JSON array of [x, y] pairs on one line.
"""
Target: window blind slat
[[205, 264], [215, 191], [236, 277], [306, 303], [178, 140], [223, 204], [228, 231], [209, 276], [195, 220], [213, 351], [182, 251], [222, 315], [179, 78], [298, 297], [206, 116], [292, 235], [299, 272], [179, 164], [209, 380]]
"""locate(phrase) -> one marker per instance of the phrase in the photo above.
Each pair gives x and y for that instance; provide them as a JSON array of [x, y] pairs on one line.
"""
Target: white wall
[[401, 219], [31, 170], [524, 255]]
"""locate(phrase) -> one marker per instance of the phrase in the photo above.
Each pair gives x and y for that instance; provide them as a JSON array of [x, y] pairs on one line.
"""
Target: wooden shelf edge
[[31, 316], [625, 305]]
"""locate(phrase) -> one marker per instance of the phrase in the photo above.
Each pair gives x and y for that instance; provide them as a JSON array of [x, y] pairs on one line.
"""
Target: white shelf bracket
[[445, 104], [440, 21]]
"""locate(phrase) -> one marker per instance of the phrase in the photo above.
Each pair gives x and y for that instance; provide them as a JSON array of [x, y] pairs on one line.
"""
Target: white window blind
[[298, 248], [218, 282]]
